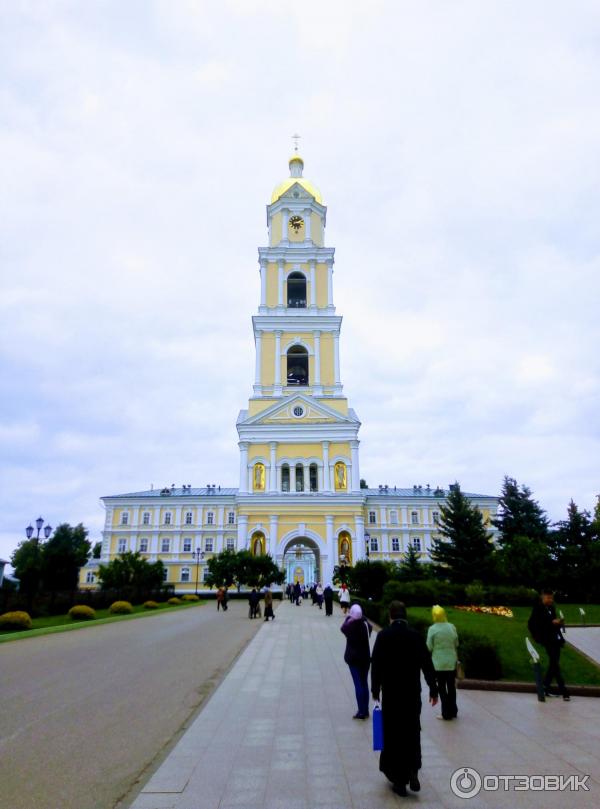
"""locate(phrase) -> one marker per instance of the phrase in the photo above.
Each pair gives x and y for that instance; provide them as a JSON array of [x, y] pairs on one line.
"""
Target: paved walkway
[[586, 639], [278, 734]]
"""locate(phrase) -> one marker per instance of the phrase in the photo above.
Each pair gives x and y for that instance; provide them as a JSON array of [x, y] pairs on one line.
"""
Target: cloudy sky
[[457, 148]]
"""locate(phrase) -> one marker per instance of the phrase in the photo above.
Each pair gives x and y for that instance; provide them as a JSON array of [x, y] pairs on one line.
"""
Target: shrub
[[81, 612], [475, 593], [15, 620], [120, 608], [511, 596], [175, 601], [479, 656], [190, 597], [424, 593], [150, 605]]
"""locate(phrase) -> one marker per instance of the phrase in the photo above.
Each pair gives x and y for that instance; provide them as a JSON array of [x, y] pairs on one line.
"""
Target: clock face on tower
[[296, 223]]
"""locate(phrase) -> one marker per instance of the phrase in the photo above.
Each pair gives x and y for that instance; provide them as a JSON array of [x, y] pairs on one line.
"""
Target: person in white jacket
[[344, 596]]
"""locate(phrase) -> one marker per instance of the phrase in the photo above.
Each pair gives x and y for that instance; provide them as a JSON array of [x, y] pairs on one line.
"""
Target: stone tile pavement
[[586, 639], [278, 734]]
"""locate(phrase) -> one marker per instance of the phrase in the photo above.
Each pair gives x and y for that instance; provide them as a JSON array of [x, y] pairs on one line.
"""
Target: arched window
[[285, 478], [314, 477], [296, 287], [297, 366], [299, 477]]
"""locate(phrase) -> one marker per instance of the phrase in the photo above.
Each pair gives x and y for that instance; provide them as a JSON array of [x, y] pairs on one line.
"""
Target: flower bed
[[504, 612]]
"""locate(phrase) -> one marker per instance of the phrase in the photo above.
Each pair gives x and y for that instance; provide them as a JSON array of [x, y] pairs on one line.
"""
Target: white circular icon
[[465, 782]]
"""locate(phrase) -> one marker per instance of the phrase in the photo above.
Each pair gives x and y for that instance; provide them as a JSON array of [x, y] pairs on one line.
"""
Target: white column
[[317, 338], [285, 215], [258, 342], [292, 477], [355, 466], [313, 284], [307, 224], [306, 477], [273, 470], [243, 467], [359, 543], [263, 282], [278, 361], [280, 284], [329, 284], [273, 523], [326, 477], [336, 355], [242, 530]]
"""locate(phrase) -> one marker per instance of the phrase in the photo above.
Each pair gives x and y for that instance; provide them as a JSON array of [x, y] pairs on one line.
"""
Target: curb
[[522, 688]]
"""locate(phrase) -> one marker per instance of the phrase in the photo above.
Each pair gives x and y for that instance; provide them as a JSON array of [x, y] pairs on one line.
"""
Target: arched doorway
[[302, 561]]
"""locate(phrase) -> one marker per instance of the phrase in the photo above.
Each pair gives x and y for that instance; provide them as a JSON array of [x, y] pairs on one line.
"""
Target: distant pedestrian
[[319, 595], [442, 642], [221, 599], [344, 596], [328, 599], [313, 594], [297, 593], [289, 591], [399, 656], [269, 605], [253, 601], [547, 630], [357, 630]]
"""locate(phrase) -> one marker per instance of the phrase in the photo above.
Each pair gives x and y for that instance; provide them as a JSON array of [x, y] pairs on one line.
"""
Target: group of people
[[254, 603], [319, 595]]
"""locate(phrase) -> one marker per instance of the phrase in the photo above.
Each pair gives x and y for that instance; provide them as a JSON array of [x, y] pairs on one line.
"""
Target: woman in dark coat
[[328, 598], [357, 630]]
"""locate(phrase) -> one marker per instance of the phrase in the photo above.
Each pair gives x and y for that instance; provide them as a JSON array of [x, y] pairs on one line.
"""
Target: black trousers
[[446, 682], [553, 670]]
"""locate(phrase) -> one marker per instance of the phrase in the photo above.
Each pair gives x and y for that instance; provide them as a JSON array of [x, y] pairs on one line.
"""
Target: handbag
[[377, 728], [460, 670]]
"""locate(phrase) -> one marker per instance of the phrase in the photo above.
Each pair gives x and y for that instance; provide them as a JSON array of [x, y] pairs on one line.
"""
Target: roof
[[412, 492], [181, 492], [206, 492]]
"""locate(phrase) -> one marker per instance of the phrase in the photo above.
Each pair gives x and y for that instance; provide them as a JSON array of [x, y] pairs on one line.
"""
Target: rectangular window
[[435, 516], [187, 545], [143, 545], [146, 518], [395, 544], [208, 544], [165, 545], [374, 544], [168, 518], [185, 574], [165, 574], [125, 518], [417, 543], [230, 544], [414, 517], [394, 517], [231, 518], [122, 546], [188, 517], [89, 577], [210, 518], [372, 518]]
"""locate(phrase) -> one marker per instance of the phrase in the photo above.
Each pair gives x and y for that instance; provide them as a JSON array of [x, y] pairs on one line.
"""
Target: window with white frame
[[395, 544], [165, 545], [210, 518], [414, 517], [122, 546], [185, 574], [435, 516], [231, 518], [393, 517], [125, 518], [372, 518], [144, 545], [188, 517], [90, 577], [146, 518], [187, 545], [168, 518], [165, 574], [208, 544], [417, 543], [230, 544], [374, 544]]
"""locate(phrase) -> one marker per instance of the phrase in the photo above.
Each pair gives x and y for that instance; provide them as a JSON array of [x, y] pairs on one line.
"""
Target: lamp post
[[38, 524], [198, 556], [368, 546]]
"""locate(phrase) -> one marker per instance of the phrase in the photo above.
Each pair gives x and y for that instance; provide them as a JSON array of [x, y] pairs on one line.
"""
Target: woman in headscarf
[[442, 642], [357, 630]]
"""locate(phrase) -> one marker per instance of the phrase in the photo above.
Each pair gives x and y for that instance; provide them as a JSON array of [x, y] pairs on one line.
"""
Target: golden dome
[[296, 164]]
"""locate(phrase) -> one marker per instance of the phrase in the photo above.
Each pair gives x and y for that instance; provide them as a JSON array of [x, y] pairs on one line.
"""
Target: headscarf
[[356, 612], [438, 614]]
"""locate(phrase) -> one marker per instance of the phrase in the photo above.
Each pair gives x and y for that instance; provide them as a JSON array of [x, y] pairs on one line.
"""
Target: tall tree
[[411, 568], [525, 561], [464, 552], [62, 555], [130, 570], [242, 567], [519, 515], [576, 549], [27, 562]]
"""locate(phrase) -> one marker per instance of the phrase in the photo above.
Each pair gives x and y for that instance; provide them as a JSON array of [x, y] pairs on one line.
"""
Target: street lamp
[[198, 556], [368, 545], [38, 524]]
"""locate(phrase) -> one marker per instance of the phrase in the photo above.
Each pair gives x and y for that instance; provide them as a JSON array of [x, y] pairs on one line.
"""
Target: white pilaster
[[273, 523], [273, 470], [326, 476], [355, 466], [243, 445], [307, 226], [359, 542], [317, 339], [258, 342], [313, 284], [242, 530], [331, 550], [285, 215], [277, 376]]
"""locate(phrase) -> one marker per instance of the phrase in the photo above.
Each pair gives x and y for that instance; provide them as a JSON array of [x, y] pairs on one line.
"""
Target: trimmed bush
[[424, 593], [120, 608], [174, 601], [15, 620], [479, 656], [81, 612], [150, 605], [190, 597]]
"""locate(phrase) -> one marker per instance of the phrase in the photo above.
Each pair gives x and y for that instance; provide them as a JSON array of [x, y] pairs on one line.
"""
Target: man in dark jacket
[[547, 630], [328, 598], [254, 601], [399, 656]]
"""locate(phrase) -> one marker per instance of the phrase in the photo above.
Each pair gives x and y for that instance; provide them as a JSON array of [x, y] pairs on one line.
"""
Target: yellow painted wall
[[267, 362], [272, 284], [316, 229], [321, 273], [276, 228], [340, 449], [327, 360], [299, 450]]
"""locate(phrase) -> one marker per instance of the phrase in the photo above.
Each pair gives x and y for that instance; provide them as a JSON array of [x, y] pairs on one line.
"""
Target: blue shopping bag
[[377, 728]]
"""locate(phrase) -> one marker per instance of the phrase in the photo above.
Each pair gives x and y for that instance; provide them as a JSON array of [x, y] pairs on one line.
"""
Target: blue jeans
[[361, 686]]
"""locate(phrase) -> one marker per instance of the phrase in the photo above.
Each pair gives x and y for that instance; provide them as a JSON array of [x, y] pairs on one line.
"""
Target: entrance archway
[[302, 561]]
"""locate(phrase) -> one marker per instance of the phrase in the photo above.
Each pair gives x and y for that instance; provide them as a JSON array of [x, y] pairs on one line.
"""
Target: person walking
[[328, 599], [253, 601], [344, 596], [547, 630], [442, 642], [297, 593], [319, 595], [399, 656], [220, 598], [269, 605], [358, 630]]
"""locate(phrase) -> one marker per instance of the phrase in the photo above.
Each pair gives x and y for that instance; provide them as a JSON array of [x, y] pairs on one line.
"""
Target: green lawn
[[64, 623], [509, 635]]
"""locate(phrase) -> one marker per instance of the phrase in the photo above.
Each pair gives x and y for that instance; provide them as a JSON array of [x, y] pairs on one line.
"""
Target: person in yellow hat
[[442, 642]]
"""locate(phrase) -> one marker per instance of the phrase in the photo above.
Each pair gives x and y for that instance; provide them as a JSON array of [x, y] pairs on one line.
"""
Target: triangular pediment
[[296, 192], [300, 409]]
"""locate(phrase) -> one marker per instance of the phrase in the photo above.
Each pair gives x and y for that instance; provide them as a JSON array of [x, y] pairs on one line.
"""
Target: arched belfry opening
[[297, 366], [296, 291]]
